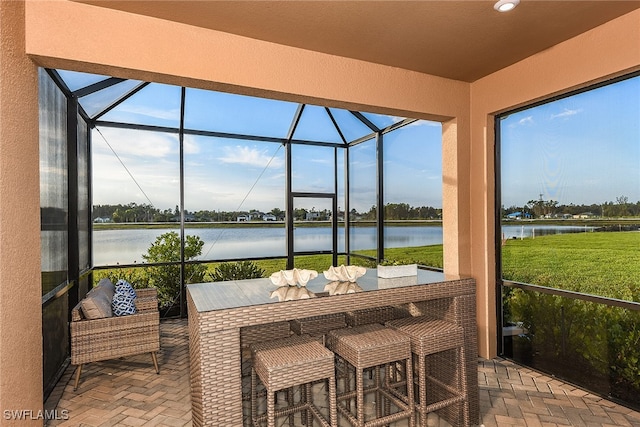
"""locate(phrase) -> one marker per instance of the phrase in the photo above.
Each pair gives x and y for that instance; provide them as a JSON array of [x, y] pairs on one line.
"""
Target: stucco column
[[455, 198], [482, 196], [20, 286], [467, 252]]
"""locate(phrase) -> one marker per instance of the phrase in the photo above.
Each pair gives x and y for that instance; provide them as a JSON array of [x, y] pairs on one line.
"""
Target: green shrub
[[135, 276], [166, 278], [236, 271], [594, 345]]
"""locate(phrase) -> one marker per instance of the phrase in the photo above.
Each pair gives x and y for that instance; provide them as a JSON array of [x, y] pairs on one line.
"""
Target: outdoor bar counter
[[218, 310]]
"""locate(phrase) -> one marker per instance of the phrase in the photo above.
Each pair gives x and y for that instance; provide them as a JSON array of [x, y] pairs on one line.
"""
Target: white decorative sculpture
[[341, 288], [293, 277], [345, 273], [290, 293]]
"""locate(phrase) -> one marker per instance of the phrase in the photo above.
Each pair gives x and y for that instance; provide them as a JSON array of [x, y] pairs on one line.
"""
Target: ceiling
[[461, 40]]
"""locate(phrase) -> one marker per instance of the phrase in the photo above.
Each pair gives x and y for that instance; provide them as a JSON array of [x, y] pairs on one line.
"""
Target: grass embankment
[[605, 264], [425, 255]]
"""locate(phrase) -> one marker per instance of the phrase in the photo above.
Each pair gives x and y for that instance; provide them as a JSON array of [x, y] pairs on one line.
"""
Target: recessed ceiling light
[[505, 5]]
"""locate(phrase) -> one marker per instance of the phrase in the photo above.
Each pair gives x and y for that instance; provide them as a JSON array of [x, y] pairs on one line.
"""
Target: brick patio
[[128, 392]]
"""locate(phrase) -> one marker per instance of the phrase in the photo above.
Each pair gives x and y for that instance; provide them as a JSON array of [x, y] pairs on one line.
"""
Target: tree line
[[133, 212], [540, 208]]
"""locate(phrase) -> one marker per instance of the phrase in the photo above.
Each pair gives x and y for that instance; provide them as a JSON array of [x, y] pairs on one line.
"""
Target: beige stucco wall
[[77, 36], [610, 50], [20, 289]]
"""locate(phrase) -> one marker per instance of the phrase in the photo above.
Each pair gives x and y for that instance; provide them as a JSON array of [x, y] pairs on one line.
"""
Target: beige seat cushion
[[97, 303]]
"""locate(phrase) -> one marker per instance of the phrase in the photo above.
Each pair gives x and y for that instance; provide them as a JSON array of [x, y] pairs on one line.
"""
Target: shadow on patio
[[127, 392]]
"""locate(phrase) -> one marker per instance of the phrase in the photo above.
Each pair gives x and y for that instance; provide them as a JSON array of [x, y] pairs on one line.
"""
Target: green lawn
[[590, 344], [425, 255], [606, 264]]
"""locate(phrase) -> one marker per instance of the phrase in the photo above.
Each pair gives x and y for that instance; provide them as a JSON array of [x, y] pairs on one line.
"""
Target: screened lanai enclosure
[[142, 179], [569, 167]]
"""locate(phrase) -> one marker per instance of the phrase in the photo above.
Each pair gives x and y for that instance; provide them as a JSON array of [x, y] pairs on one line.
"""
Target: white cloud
[[360, 165], [191, 146], [231, 197], [248, 156], [173, 114], [151, 162], [136, 143], [526, 120], [429, 175], [425, 123], [566, 113], [322, 161], [418, 122]]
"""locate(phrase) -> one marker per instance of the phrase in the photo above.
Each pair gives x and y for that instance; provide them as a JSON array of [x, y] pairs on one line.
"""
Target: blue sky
[[232, 174], [584, 149]]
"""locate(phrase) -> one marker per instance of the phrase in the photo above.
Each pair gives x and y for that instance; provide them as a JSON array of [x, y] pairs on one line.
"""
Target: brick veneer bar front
[[217, 311]]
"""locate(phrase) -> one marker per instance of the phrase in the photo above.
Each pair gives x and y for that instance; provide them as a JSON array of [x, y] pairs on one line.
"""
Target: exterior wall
[[607, 51], [76, 36], [20, 288]]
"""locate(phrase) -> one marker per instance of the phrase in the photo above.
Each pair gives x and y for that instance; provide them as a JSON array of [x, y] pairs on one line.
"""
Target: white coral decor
[[290, 293], [341, 288], [345, 273], [293, 277]]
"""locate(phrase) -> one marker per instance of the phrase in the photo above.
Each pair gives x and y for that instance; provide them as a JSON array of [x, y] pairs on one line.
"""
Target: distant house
[[518, 215], [243, 218], [313, 215], [584, 215], [187, 218], [269, 217]]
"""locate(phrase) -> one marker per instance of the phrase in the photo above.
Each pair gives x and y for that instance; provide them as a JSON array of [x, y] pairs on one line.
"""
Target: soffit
[[460, 40]]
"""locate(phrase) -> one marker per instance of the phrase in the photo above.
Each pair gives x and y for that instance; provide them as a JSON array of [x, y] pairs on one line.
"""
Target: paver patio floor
[[128, 392]]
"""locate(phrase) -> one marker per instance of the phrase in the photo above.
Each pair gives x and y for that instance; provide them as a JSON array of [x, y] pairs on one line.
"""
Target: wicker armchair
[[114, 337]]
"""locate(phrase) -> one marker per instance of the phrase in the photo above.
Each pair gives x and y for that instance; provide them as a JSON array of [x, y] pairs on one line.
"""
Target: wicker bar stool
[[371, 315], [374, 346], [286, 363], [380, 315], [318, 326], [250, 335], [440, 377]]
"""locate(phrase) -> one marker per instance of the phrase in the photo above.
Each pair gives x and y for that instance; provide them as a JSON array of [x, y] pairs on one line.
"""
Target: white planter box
[[390, 271]]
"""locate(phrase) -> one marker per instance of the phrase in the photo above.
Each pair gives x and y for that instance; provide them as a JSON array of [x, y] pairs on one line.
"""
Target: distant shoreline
[[397, 223], [253, 224]]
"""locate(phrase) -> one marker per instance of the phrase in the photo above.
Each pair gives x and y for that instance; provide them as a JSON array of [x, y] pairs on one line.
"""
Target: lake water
[[127, 246]]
